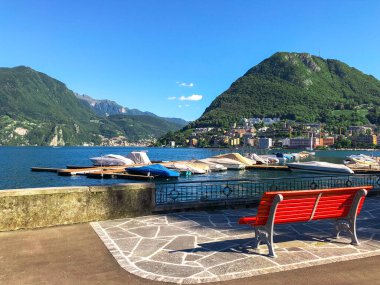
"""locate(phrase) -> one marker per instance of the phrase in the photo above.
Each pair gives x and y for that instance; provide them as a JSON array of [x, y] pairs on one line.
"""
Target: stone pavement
[[197, 247]]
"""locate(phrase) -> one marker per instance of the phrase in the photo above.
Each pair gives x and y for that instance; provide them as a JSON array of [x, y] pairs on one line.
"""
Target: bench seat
[[279, 207]]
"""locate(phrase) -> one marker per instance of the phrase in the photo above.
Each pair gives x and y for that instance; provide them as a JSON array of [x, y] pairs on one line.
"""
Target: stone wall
[[43, 207]]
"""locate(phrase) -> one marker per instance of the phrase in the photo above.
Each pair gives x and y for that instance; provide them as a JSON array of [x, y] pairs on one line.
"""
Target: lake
[[15, 164]]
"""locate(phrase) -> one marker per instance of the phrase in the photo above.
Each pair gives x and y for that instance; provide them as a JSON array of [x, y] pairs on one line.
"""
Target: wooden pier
[[95, 172], [44, 169], [85, 171]]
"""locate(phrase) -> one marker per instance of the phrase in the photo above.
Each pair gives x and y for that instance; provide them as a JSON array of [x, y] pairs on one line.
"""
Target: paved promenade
[[75, 255], [198, 247]]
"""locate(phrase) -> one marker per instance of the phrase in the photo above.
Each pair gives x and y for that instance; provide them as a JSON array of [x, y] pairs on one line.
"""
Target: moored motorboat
[[226, 162], [237, 157], [200, 165], [139, 157], [271, 158], [154, 170], [258, 159], [360, 159], [211, 165], [111, 160], [320, 167], [135, 157], [185, 167]]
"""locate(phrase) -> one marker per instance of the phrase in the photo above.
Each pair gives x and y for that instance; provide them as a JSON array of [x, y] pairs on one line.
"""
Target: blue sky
[[150, 54]]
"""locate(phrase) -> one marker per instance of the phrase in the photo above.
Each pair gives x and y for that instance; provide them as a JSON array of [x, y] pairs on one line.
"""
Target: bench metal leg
[[264, 234], [256, 240], [348, 224]]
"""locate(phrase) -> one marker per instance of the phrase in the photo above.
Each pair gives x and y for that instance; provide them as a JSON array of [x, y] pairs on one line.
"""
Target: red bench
[[342, 204]]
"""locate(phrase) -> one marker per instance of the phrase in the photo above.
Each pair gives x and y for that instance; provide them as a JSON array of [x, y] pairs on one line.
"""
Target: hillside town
[[266, 133]]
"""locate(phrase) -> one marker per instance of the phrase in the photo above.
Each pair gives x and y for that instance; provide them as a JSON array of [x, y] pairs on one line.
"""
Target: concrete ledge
[[43, 207]]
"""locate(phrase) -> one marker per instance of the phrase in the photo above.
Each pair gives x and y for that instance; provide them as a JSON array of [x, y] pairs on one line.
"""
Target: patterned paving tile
[[197, 247]]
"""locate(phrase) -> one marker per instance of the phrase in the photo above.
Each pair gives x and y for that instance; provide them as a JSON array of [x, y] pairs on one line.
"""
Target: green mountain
[[36, 109], [301, 87]]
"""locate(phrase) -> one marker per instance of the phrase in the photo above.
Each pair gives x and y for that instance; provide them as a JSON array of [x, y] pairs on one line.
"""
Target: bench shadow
[[368, 228], [246, 245]]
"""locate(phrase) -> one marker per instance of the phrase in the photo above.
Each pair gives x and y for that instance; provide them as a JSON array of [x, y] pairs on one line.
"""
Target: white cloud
[[185, 84], [172, 98], [194, 97]]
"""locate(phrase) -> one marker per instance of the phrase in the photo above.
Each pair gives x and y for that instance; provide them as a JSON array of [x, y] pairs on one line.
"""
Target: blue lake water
[[15, 164]]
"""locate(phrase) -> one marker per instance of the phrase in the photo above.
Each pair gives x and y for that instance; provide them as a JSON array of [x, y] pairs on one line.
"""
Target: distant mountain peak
[[107, 107]]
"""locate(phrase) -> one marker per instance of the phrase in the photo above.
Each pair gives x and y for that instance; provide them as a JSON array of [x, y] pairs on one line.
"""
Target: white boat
[[135, 157], [360, 159], [272, 159], [226, 162], [258, 159], [237, 157], [320, 167], [306, 154], [111, 160], [185, 167], [139, 157], [212, 166]]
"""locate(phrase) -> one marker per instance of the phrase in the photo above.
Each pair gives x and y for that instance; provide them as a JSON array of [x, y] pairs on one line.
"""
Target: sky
[[173, 57]]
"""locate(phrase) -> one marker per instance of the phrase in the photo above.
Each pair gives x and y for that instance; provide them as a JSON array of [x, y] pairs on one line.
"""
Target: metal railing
[[229, 191]]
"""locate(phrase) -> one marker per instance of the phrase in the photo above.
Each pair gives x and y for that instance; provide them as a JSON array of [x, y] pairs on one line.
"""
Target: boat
[[154, 170], [360, 159], [271, 158], [306, 153], [226, 162], [185, 167], [200, 165], [135, 157], [295, 156], [320, 167], [257, 159], [284, 157], [237, 157], [111, 160], [211, 165], [139, 157]]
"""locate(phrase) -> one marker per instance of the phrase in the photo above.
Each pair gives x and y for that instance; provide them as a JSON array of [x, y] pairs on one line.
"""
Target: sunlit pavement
[[197, 247]]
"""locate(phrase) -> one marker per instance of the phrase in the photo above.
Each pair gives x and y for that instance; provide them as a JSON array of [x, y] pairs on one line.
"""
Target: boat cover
[[139, 157], [237, 157], [111, 159], [155, 170]]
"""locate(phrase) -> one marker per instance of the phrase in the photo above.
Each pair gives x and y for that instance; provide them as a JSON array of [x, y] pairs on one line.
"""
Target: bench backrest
[[307, 205]]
